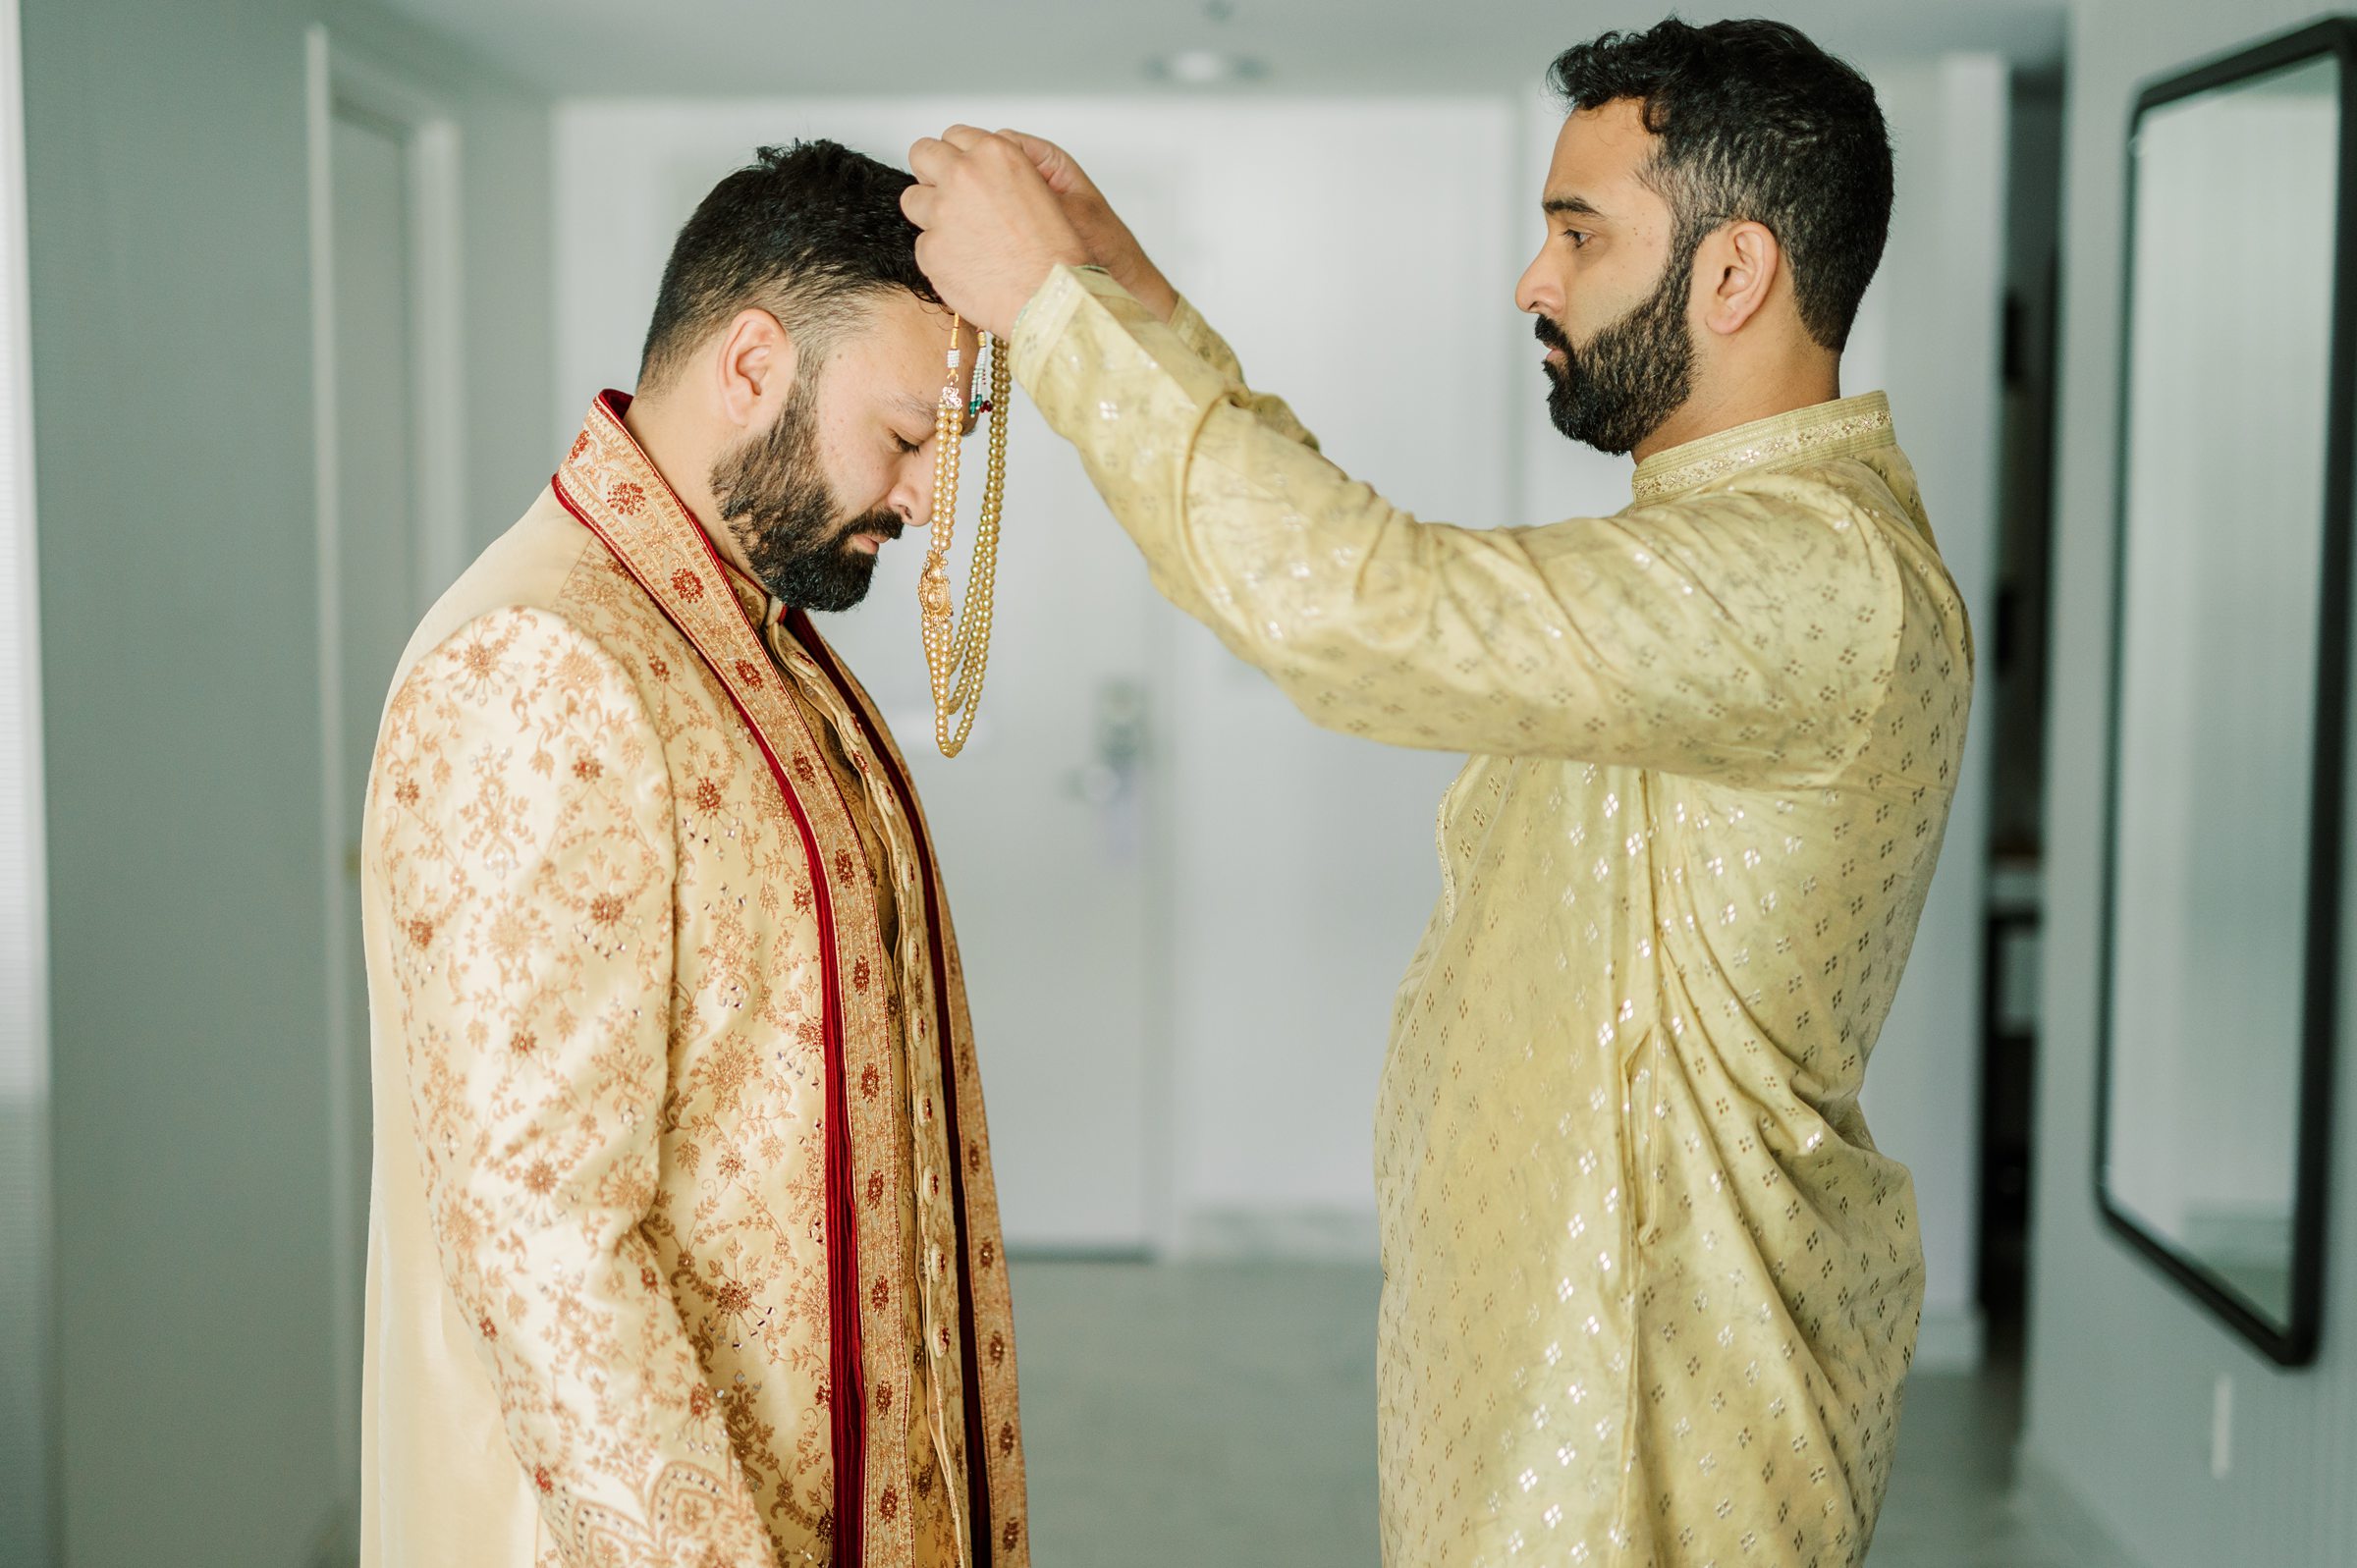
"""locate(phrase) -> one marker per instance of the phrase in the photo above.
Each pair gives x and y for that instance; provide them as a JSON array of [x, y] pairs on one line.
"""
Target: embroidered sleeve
[[1748, 632], [519, 826]]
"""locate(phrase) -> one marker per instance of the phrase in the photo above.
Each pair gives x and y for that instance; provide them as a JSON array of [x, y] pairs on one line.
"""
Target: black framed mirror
[[2221, 916]]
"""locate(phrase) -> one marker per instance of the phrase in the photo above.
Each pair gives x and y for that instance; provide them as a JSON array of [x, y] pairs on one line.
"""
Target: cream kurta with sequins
[[1649, 1289]]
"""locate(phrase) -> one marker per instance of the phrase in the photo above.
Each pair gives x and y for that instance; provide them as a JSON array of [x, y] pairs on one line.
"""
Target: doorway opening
[[2015, 655]]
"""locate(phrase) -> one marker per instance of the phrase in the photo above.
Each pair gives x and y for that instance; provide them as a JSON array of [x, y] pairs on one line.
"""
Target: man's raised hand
[[1110, 243], [993, 229]]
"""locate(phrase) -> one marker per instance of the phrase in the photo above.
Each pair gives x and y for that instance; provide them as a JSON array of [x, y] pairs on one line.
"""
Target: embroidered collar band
[[1842, 428]]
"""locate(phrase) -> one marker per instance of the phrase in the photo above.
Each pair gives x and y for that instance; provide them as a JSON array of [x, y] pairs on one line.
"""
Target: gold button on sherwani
[[1650, 1290]]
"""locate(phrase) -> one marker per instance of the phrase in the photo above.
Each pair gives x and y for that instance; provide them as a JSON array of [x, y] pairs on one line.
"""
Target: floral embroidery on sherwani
[[603, 1309], [530, 864], [1650, 1290]]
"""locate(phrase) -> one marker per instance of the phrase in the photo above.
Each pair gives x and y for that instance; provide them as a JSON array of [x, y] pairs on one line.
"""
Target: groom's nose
[[912, 500]]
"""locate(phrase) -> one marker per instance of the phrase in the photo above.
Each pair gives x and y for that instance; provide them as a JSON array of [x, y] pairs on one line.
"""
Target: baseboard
[[1952, 1340], [1291, 1235]]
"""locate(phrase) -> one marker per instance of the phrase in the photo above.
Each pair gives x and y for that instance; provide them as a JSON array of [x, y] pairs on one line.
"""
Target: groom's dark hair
[[809, 232], [1756, 124]]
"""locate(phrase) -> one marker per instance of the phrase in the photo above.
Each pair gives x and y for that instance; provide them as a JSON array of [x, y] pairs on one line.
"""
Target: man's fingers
[[918, 203], [1039, 149], [1058, 167], [930, 158], [933, 159]]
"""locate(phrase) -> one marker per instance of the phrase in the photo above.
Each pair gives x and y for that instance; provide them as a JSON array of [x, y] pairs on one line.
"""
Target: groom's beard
[[775, 499], [1634, 374]]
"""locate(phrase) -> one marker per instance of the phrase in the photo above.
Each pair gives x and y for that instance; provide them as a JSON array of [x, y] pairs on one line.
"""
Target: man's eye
[[1578, 238], [905, 445]]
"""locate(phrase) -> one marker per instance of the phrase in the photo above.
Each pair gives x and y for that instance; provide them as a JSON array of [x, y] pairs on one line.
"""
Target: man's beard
[[773, 497], [1634, 374]]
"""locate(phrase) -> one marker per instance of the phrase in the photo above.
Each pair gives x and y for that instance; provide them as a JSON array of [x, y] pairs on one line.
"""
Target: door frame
[[31, 1474], [427, 127]]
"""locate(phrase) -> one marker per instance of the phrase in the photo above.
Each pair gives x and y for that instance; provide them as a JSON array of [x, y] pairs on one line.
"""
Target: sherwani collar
[[1841, 428], [760, 609], [609, 482]]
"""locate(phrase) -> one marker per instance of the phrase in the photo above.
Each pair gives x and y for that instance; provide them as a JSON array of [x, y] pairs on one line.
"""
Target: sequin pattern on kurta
[[1650, 1290]]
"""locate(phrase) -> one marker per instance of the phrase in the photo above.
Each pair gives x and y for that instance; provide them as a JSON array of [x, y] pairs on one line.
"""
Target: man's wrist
[[1046, 314], [1015, 329], [1147, 286]]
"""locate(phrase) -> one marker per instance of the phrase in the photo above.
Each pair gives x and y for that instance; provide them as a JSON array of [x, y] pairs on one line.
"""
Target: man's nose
[[1536, 293], [914, 508]]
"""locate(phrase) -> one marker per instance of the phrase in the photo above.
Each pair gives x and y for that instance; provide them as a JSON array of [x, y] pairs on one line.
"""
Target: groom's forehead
[[901, 325], [900, 354], [892, 336]]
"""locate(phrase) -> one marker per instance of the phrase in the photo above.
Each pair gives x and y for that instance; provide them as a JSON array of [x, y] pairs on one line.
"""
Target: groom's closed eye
[[927, 412]]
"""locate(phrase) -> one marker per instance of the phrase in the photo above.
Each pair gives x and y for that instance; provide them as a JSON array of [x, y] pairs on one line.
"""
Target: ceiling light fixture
[[1205, 68]]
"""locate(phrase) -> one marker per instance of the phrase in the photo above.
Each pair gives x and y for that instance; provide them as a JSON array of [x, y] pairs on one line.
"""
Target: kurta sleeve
[[1188, 323], [1748, 631], [520, 820]]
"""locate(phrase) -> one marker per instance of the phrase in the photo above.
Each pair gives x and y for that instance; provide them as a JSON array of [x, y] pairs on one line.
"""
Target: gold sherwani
[[684, 1248], [1649, 1288]]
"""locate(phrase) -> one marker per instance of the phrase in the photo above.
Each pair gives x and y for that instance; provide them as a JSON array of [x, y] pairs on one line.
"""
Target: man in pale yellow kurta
[[1650, 1290], [682, 1248]]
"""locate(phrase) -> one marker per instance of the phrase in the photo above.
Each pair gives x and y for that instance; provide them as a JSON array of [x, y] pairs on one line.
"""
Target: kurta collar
[[1838, 429]]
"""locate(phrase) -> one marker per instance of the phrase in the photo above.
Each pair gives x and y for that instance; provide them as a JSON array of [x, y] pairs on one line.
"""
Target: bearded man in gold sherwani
[[683, 1246], [1650, 1290]]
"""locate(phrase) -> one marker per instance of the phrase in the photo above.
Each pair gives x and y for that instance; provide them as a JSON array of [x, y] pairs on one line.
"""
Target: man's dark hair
[[1756, 124], [811, 232]]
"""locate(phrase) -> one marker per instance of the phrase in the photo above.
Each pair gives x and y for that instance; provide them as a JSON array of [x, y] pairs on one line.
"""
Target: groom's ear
[[755, 369]]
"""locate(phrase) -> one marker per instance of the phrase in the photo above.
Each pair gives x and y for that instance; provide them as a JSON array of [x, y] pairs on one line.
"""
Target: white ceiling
[[1100, 47]]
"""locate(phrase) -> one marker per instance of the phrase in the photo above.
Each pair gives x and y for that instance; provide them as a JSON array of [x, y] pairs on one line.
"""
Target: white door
[[1041, 828], [1181, 971], [1045, 830], [1044, 825]]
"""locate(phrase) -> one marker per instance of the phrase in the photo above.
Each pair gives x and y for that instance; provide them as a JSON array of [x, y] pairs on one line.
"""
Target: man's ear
[[755, 369], [1736, 272]]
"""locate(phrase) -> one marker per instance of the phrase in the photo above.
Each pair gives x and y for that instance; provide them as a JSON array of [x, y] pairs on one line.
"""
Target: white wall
[[2124, 1363], [1361, 255], [1351, 250], [196, 1352]]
